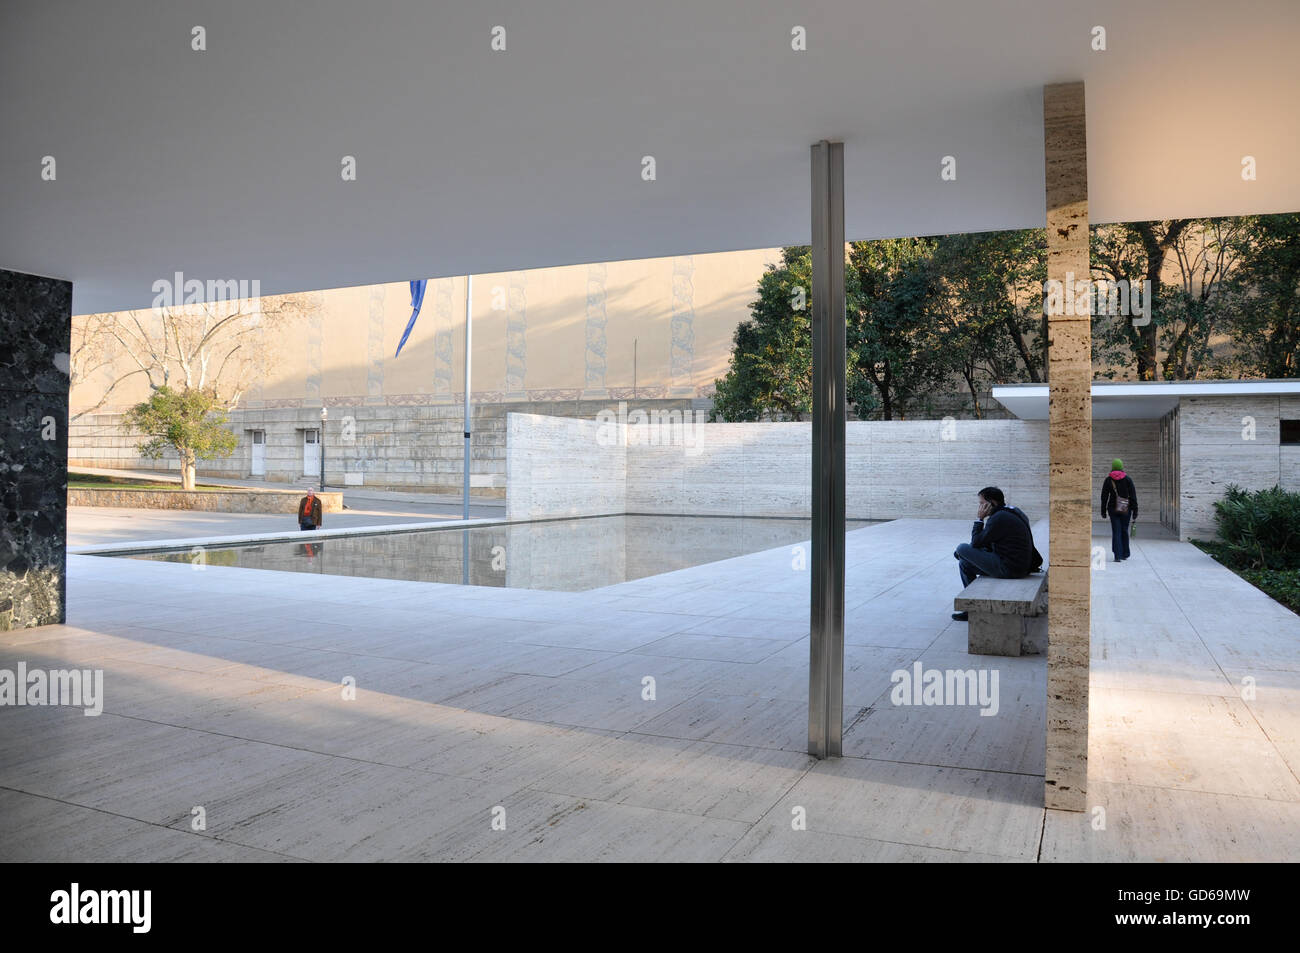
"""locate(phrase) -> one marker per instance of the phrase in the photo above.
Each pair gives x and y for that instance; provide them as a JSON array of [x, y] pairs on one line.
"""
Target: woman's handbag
[[1121, 502]]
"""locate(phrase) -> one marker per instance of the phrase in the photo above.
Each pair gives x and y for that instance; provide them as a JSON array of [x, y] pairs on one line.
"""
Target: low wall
[[391, 446], [562, 466], [221, 501], [894, 469]]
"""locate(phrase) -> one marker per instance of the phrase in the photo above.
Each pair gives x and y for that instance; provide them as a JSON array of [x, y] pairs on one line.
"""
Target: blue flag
[[417, 299]]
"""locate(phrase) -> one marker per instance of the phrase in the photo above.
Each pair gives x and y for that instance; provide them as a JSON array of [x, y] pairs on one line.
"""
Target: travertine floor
[[474, 705]]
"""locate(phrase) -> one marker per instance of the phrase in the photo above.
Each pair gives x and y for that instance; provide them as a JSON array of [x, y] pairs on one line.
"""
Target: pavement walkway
[[660, 719]]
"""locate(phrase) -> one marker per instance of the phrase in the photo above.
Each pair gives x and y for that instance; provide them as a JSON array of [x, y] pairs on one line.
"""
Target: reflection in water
[[567, 555]]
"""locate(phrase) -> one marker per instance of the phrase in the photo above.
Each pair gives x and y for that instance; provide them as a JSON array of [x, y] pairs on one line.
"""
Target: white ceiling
[[1137, 400], [225, 164]]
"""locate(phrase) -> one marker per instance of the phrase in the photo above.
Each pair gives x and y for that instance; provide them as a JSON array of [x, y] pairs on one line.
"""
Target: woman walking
[[1119, 502]]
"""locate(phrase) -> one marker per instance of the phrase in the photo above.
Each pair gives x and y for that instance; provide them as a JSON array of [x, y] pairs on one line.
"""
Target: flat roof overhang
[[1136, 400], [226, 163]]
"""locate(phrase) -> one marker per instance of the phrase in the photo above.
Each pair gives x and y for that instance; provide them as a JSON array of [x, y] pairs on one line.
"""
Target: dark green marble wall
[[35, 333]]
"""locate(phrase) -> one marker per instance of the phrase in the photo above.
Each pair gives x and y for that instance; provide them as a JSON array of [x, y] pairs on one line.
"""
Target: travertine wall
[[1231, 440], [1137, 443], [895, 469], [558, 466]]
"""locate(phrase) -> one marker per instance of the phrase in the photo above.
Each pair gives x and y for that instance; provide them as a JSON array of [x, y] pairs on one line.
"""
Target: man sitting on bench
[[1001, 543]]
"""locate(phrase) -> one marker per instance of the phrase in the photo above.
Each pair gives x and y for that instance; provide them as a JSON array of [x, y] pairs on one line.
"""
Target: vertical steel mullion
[[826, 629]]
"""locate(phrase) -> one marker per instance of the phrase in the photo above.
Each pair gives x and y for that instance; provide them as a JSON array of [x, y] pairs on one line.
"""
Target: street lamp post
[[323, 414]]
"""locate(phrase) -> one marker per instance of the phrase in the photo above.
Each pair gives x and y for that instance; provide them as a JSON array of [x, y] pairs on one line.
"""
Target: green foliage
[[893, 361], [924, 314], [1259, 529], [191, 422], [1266, 299], [986, 306], [1281, 584], [771, 359]]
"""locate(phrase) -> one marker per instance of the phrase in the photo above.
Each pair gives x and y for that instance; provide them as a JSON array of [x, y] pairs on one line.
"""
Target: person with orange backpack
[[1119, 503]]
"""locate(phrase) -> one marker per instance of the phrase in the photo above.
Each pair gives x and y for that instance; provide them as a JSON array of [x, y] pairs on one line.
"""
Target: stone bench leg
[[1035, 638], [995, 633]]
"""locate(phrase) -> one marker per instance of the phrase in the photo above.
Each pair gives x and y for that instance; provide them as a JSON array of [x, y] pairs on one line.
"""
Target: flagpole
[[464, 535], [469, 304]]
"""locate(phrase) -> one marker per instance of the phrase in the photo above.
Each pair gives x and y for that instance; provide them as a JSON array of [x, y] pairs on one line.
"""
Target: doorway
[[258, 467], [311, 452]]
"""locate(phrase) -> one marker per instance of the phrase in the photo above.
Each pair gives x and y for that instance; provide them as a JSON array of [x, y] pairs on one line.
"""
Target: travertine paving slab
[[662, 719], [735, 719], [692, 777], [1010, 740], [692, 645], [541, 826], [42, 830], [768, 844], [1154, 824], [341, 810], [949, 808]]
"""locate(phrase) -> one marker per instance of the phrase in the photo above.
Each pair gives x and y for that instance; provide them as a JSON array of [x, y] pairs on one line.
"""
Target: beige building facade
[[565, 341]]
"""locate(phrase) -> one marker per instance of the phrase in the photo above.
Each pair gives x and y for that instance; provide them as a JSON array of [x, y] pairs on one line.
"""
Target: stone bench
[[1007, 616]]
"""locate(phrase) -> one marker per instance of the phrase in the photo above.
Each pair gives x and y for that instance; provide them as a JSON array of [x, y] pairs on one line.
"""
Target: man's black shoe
[[960, 616]]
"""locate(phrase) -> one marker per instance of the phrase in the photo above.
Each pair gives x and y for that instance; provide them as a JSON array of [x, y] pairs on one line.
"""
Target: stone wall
[[35, 329], [219, 501], [384, 446], [558, 466], [1231, 440], [895, 469], [1137, 443]]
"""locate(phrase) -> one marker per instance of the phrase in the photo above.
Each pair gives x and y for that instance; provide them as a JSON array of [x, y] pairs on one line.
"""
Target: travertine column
[[35, 334], [1070, 450]]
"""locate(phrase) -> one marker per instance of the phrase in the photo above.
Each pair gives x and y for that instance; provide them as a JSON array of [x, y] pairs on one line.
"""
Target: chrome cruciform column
[[826, 642]]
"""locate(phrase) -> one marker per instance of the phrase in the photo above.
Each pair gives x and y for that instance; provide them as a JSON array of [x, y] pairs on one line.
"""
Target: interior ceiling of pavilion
[[226, 163]]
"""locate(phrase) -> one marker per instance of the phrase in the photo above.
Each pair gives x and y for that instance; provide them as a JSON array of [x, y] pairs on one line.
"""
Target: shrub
[[1259, 529], [1282, 584]]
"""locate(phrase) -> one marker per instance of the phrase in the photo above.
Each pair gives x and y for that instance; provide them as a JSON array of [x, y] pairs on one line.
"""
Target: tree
[[189, 421], [1265, 294], [219, 345], [771, 358], [890, 341], [1136, 252], [1208, 253], [896, 356], [987, 306], [94, 352]]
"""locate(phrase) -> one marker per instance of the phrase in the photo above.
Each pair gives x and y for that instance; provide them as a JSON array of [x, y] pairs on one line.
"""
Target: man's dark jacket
[[314, 517], [1125, 488], [1007, 535]]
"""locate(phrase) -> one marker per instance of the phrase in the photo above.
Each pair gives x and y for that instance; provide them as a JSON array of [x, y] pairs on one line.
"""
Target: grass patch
[[96, 481], [1283, 585]]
